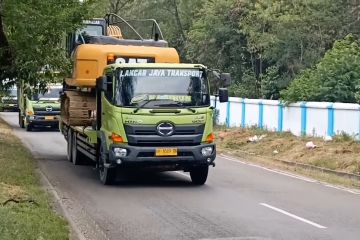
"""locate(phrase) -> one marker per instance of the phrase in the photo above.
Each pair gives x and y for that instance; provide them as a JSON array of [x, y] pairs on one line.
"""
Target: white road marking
[[237, 238], [270, 170], [293, 216]]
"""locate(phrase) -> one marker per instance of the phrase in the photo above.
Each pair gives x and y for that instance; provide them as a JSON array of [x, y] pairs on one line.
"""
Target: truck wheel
[[21, 121], [199, 175], [29, 128], [107, 175], [69, 145], [76, 155]]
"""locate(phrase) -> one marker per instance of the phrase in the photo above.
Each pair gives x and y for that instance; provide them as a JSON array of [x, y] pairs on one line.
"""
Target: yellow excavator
[[102, 42]]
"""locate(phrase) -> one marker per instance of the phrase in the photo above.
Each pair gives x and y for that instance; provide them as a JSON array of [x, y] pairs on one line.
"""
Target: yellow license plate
[[163, 152], [49, 118]]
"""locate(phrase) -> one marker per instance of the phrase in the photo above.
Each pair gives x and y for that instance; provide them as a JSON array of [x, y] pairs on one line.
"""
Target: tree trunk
[[178, 20], [5, 53]]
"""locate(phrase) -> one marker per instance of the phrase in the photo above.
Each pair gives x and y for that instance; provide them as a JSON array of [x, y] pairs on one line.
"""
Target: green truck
[[9, 100], [149, 116], [130, 104], [39, 108]]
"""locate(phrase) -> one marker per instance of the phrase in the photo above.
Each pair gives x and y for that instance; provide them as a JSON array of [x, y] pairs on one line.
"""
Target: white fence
[[306, 118]]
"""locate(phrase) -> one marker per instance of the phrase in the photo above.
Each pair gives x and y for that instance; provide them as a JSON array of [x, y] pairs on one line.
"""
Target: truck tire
[[69, 145], [107, 175], [77, 157], [21, 121], [29, 128], [199, 175]]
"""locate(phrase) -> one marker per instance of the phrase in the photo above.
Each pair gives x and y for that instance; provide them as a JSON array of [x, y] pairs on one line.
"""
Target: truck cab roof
[[156, 65]]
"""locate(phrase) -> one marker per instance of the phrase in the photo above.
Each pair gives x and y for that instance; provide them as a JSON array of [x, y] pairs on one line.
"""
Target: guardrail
[[306, 118]]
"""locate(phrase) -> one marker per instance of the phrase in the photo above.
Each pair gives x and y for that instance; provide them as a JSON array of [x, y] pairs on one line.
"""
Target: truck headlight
[[207, 151], [31, 117], [120, 152]]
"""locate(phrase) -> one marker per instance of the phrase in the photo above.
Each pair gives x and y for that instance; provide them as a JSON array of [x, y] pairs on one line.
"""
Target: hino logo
[[165, 129], [49, 109]]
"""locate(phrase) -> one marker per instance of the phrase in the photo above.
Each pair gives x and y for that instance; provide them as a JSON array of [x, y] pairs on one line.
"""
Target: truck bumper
[[187, 156], [42, 121], [9, 107]]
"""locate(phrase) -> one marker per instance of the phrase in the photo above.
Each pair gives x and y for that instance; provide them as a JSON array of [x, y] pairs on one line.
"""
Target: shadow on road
[[45, 129], [151, 179]]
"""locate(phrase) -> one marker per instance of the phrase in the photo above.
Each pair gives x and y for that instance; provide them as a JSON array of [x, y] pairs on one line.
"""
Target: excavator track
[[78, 108]]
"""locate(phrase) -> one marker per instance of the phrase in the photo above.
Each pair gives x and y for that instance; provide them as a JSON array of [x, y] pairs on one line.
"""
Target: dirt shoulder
[[286, 151], [25, 208]]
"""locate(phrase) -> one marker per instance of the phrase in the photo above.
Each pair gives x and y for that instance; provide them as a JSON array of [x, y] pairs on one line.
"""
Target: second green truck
[[39, 107]]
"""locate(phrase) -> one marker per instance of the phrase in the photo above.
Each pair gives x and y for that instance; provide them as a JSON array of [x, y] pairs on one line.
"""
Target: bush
[[335, 79]]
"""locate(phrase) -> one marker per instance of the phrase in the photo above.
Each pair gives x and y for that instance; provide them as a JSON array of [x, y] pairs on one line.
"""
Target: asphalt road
[[239, 201]]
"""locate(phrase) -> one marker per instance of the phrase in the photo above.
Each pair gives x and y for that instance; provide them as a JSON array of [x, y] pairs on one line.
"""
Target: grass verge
[[25, 208], [341, 154]]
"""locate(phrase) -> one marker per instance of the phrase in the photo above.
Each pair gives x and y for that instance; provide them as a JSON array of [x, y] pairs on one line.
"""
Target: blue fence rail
[[305, 118]]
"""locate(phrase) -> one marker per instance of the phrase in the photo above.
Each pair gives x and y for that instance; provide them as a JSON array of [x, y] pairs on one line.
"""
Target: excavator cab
[[91, 28], [114, 30], [110, 40], [134, 29]]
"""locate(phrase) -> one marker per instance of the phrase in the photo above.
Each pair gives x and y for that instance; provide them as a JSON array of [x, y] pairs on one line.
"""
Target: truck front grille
[[9, 101], [46, 111], [147, 135]]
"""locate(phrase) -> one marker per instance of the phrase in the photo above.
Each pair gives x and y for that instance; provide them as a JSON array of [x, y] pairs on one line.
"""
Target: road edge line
[[231, 159], [50, 188], [306, 179]]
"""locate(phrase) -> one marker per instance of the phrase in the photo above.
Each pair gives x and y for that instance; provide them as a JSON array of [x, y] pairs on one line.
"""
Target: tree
[[335, 79], [32, 35], [216, 40]]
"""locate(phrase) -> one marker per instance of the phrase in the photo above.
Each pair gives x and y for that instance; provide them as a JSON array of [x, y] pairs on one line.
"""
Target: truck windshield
[[161, 88], [51, 93], [82, 35], [13, 93], [91, 30]]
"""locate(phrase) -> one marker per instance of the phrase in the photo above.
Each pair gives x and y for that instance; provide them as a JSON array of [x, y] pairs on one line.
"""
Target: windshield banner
[[161, 73]]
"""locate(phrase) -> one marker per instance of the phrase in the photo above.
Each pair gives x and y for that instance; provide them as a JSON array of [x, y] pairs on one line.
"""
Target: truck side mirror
[[223, 95], [101, 84], [225, 79]]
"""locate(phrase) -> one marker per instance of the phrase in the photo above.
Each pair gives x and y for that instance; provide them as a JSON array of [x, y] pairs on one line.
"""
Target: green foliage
[[32, 218], [344, 137], [246, 87], [270, 83], [35, 31], [264, 44], [213, 37], [335, 79]]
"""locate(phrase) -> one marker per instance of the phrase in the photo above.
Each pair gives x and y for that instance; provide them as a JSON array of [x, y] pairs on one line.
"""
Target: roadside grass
[[25, 208], [341, 154]]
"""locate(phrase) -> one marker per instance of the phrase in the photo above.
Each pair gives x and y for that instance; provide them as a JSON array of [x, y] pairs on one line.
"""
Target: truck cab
[[150, 116], [39, 107], [9, 100]]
